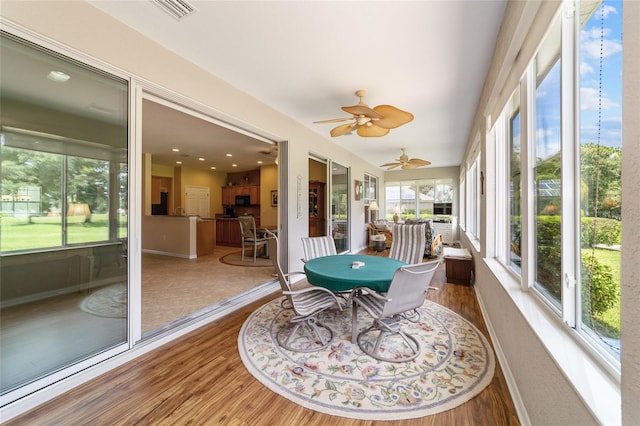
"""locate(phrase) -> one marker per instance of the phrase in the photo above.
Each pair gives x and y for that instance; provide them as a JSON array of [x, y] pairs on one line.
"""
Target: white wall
[[630, 289]]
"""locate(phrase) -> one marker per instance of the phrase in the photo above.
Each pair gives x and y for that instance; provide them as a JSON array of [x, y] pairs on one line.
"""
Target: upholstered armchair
[[433, 246]]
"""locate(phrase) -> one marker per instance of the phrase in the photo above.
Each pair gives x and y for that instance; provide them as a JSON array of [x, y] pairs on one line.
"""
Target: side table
[[459, 265]]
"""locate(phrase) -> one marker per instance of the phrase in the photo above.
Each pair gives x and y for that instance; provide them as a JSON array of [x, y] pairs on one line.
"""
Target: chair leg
[[243, 249], [255, 249], [384, 331], [295, 327]]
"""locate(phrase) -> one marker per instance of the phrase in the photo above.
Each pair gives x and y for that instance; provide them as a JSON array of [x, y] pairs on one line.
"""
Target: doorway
[[317, 197], [340, 206], [190, 150], [329, 204]]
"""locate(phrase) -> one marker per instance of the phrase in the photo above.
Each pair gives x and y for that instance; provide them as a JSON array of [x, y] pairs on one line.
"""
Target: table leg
[[354, 320]]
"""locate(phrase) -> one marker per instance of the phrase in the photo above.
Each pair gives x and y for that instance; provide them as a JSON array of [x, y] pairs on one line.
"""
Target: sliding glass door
[[340, 206], [63, 222]]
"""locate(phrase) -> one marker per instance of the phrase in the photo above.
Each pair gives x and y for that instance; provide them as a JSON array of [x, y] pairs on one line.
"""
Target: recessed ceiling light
[[229, 155], [259, 162], [178, 162], [201, 159], [175, 150], [234, 165], [58, 76], [213, 167]]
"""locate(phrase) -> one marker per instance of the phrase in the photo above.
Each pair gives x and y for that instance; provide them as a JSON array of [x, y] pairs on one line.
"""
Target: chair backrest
[[408, 243], [317, 247], [247, 226], [273, 244], [408, 289]]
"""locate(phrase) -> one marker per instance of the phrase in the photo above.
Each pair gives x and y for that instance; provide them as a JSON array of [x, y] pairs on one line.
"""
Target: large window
[[515, 224], [424, 198], [600, 152], [564, 181], [63, 221], [51, 199], [370, 195], [547, 168]]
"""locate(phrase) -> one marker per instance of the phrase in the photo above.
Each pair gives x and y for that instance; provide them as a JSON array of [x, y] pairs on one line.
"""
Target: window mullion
[[526, 166], [570, 222]]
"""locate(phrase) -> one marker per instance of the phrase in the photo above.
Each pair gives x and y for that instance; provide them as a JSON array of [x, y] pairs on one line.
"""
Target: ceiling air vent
[[176, 8]]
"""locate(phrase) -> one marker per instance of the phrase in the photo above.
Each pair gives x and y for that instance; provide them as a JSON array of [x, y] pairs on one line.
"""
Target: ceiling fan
[[369, 122], [271, 152], [405, 163]]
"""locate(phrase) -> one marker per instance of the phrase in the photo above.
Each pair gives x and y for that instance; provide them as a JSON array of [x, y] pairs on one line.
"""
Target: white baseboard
[[166, 253]]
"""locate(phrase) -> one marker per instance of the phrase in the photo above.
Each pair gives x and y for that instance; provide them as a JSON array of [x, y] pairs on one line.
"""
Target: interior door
[[197, 201]]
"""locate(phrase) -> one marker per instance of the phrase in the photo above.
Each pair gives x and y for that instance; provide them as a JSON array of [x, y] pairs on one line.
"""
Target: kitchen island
[[179, 236]]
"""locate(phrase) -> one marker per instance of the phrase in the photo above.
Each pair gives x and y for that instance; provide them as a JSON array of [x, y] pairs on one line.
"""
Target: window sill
[[473, 241], [590, 380]]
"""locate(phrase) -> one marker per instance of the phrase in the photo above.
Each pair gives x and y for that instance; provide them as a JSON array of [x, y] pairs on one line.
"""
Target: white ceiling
[[306, 59]]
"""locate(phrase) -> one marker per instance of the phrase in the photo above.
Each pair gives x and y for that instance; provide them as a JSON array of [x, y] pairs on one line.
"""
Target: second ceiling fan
[[367, 121], [404, 162]]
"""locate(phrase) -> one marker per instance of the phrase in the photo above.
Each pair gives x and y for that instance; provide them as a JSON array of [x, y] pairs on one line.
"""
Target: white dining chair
[[318, 246], [407, 292], [306, 303], [408, 242], [250, 237]]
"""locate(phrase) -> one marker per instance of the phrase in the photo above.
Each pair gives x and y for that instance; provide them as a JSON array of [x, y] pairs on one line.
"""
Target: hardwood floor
[[200, 379]]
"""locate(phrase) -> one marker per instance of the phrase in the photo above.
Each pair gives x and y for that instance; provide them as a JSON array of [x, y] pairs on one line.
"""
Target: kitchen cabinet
[[159, 184], [229, 194], [254, 193], [206, 237], [228, 232]]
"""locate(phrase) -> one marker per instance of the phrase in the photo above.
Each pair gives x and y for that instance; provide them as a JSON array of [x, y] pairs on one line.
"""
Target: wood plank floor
[[200, 379]]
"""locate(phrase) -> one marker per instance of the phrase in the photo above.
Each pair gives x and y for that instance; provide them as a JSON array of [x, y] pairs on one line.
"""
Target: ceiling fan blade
[[389, 164], [372, 131], [408, 166], [343, 130], [392, 116], [394, 166], [419, 162], [362, 109], [335, 120]]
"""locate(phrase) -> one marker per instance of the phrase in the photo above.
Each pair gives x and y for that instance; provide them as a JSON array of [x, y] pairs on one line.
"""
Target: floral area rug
[[108, 302], [455, 364]]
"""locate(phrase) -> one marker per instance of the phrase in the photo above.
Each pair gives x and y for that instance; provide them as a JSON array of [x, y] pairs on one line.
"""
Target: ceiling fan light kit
[[369, 122], [405, 163]]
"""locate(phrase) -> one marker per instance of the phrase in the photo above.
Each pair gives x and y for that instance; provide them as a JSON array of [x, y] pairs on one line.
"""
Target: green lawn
[[608, 323], [46, 232]]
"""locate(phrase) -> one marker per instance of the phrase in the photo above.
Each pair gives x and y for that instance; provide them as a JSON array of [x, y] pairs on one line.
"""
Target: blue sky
[[610, 129], [592, 37]]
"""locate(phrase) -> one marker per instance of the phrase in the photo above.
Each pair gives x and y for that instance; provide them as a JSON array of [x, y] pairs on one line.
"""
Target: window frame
[[569, 312]]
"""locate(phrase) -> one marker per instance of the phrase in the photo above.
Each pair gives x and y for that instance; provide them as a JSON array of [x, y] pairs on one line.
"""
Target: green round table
[[336, 274]]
